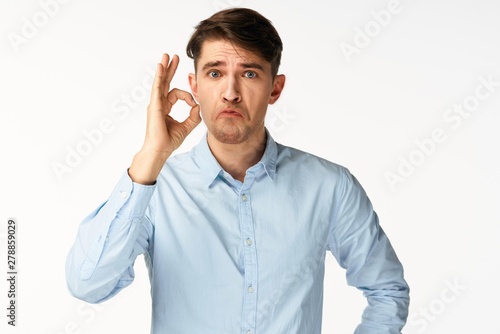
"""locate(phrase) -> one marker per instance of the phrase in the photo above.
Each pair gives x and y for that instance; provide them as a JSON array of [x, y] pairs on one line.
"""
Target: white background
[[365, 111]]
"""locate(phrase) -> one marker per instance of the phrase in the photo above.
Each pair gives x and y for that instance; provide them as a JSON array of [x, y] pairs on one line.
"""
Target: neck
[[237, 158]]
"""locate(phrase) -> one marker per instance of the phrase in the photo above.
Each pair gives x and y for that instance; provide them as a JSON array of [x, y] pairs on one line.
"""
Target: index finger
[[176, 94]]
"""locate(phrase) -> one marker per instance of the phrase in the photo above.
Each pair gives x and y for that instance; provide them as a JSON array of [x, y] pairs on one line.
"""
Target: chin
[[230, 134]]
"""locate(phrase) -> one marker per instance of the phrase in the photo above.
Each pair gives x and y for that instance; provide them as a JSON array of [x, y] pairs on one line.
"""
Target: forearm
[[382, 281], [378, 273], [108, 241]]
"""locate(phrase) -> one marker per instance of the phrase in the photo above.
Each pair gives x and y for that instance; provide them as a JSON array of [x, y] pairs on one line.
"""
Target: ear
[[194, 85], [278, 85]]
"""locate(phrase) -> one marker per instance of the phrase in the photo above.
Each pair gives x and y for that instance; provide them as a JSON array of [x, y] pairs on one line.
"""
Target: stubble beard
[[231, 133]]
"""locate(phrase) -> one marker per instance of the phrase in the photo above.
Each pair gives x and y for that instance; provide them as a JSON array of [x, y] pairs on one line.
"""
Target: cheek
[[207, 93], [208, 102]]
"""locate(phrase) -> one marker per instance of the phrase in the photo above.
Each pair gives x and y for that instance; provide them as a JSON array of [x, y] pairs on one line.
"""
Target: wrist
[[146, 167]]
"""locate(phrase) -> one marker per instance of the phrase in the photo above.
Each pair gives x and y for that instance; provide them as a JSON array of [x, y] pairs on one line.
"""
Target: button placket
[[250, 258]]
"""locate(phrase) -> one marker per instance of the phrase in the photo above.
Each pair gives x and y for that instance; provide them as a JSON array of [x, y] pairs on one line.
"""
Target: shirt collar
[[210, 168]]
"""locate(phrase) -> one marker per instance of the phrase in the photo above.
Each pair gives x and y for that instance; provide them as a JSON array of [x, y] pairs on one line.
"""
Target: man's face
[[233, 87]]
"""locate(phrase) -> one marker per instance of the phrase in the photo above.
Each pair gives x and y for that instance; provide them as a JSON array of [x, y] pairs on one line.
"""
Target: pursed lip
[[228, 112]]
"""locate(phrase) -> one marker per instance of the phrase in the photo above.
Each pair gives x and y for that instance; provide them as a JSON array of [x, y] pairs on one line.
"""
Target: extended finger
[[172, 67], [165, 59], [165, 82], [156, 91]]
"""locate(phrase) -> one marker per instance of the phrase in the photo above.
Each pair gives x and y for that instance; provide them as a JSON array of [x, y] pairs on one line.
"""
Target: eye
[[213, 74], [250, 74]]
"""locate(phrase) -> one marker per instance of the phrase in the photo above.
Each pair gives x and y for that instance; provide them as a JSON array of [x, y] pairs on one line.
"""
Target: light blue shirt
[[231, 257]]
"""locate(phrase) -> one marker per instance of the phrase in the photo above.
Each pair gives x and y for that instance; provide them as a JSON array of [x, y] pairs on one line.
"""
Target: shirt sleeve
[[100, 262], [361, 247]]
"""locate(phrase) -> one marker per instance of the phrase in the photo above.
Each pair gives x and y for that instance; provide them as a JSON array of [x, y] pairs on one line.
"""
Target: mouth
[[229, 113]]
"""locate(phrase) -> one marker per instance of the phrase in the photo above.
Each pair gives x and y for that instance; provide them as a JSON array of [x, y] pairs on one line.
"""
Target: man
[[235, 231]]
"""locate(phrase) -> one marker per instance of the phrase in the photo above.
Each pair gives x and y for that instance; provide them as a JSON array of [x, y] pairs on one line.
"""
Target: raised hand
[[163, 133]]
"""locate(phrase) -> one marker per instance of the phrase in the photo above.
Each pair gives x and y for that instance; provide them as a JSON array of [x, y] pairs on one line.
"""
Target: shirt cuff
[[129, 198]]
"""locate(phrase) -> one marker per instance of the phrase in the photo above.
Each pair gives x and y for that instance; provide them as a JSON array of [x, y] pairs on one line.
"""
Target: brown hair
[[244, 28]]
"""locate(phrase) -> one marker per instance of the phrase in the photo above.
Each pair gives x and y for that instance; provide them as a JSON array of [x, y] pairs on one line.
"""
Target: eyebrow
[[253, 65], [218, 63]]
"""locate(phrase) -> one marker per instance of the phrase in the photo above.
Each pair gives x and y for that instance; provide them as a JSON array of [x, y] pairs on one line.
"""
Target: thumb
[[193, 119]]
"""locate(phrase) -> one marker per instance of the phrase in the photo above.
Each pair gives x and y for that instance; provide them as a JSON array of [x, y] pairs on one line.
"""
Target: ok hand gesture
[[163, 133]]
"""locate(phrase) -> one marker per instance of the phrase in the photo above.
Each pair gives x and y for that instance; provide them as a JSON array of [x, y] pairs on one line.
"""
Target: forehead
[[222, 50]]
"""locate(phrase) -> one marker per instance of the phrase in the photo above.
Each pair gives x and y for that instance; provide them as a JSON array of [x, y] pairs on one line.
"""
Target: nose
[[231, 93]]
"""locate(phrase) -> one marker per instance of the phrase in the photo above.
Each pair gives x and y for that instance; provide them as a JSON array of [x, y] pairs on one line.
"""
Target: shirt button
[[244, 197], [249, 242], [123, 194], [251, 289]]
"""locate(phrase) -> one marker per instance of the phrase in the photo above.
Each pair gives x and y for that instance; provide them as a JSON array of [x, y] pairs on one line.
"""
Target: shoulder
[[180, 158], [179, 163], [305, 162]]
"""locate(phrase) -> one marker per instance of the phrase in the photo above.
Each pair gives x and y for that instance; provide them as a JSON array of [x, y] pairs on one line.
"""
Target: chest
[[278, 227]]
